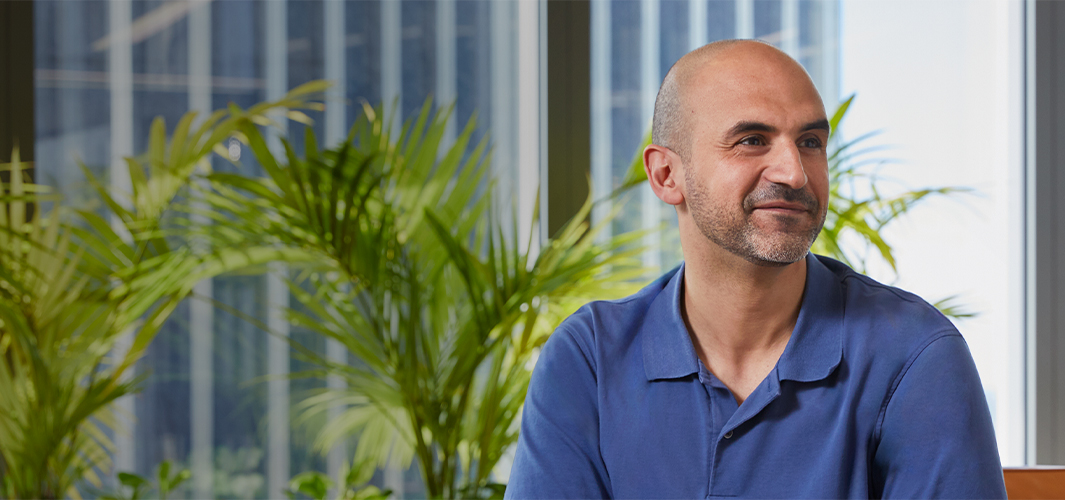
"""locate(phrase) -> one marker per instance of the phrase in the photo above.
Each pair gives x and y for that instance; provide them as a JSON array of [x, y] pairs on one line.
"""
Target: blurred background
[[565, 93]]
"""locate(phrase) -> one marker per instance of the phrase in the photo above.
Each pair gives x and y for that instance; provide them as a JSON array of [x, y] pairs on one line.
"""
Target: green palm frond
[[414, 274], [54, 386], [858, 208], [72, 283], [950, 307]]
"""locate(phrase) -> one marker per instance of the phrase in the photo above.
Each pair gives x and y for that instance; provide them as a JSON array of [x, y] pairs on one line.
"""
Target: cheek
[[728, 190], [817, 178], [723, 181]]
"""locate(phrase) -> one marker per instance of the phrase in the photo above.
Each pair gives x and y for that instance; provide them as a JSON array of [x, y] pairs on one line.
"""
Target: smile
[[783, 209]]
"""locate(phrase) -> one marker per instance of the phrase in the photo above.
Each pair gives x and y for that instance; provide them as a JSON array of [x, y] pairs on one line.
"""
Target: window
[[105, 69], [948, 98], [943, 81]]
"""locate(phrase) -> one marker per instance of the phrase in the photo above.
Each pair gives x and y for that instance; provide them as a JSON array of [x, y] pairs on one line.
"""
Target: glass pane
[[106, 68], [948, 98], [941, 81]]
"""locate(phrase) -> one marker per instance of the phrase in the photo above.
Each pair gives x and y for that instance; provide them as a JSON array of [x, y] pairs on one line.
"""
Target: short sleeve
[[936, 438], [558, 448]]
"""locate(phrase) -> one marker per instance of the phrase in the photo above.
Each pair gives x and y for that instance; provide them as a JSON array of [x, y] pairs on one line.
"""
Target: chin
[[773, 260], [777, 255]]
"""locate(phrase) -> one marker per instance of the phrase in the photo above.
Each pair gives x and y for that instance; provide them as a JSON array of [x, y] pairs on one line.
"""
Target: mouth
[[783, 207]]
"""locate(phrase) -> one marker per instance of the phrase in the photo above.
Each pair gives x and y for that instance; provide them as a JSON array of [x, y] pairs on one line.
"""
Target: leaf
[[313, 484], [636, 174], [298, 116], [74, 282], [405, 264], [837, 116], [950, 308], [132, 480]]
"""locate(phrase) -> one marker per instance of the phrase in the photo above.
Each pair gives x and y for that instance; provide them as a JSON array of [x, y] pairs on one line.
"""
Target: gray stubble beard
[[740, 237]]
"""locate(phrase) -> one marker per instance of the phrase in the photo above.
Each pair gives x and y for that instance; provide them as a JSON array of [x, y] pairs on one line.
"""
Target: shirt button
[[728, 435]]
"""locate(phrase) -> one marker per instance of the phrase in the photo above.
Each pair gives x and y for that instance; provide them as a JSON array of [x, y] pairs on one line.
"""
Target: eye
[[752, 140], [811, 142]]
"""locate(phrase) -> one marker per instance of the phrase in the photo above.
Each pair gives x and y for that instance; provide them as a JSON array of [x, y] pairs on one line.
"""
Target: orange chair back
[[1034, 482]]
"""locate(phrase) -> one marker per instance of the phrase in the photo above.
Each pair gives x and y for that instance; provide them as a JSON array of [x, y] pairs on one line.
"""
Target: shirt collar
[[813, 352], [667, 350]]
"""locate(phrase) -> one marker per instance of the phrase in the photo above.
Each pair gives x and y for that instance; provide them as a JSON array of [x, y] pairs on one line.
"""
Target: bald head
[[670, 124]]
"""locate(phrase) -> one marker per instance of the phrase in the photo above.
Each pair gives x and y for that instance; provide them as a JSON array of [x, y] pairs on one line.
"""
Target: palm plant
[[53, 389], [857, 206], [408, 267], [72, 283]]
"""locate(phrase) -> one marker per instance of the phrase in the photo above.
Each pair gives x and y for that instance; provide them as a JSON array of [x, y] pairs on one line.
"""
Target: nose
[[785, 166]]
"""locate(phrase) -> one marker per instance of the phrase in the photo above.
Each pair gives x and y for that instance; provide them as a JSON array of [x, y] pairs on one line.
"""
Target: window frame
[[566, 125]]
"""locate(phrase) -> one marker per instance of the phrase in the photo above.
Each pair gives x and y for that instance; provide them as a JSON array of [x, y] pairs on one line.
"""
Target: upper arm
[[558, 448], [936, 438]]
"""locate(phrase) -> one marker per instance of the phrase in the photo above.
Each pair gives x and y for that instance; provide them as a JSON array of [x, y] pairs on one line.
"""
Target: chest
[[684, 438]]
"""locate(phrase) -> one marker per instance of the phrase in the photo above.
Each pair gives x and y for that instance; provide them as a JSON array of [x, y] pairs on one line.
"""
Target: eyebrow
[[752, 126], [821, 124]]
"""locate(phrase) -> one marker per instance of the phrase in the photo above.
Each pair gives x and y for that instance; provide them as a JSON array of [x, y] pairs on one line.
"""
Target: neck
[[741, 306], [739, 315], [738, 311]]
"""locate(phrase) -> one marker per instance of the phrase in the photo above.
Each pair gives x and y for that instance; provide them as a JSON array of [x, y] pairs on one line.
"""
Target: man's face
[[756, 182]]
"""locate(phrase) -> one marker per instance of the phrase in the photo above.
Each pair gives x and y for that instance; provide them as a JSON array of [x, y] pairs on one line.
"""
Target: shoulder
[[915, 368], [885, 314], [886, 330], [589, 347], [606, 325]]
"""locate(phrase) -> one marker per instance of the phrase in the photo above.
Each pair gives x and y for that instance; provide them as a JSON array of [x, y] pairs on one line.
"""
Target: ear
[[662, 167]]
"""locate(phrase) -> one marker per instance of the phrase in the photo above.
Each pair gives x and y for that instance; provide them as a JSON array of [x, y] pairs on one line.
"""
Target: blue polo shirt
[[875, 396]]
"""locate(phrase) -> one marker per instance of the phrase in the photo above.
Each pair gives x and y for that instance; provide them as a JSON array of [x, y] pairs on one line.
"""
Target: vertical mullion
[[1046, 225], [650, 41], [120, 81], [744, 18], [697, 19], [830, 52], [391, 61], [789, 27], [446, 62], [1010, 406], [17, 120], [528, 122], [201, 312], [333, 34], [545, 103], [278, 387], [568, 123], [501, 109], [392, 97], [335, 70], [602, 128], [1030, 224], [277, 296]]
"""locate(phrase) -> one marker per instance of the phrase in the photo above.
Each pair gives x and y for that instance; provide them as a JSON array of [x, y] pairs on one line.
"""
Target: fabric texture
[[875, 396]]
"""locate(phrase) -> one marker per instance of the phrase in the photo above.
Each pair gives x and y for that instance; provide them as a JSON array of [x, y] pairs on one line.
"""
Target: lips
[[782, 200], [782, 206]]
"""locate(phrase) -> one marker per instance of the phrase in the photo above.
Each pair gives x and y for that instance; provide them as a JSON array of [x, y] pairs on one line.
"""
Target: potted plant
[[405, 262], [73, 283]]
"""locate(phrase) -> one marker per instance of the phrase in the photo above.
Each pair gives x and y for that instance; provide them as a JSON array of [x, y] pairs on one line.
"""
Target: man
[[755, 369]]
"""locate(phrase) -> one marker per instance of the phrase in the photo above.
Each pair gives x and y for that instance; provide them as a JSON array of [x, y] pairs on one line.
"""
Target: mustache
[[780, 192]]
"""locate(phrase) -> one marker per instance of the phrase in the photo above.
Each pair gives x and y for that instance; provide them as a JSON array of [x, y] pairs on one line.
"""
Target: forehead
[[767, 88]]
